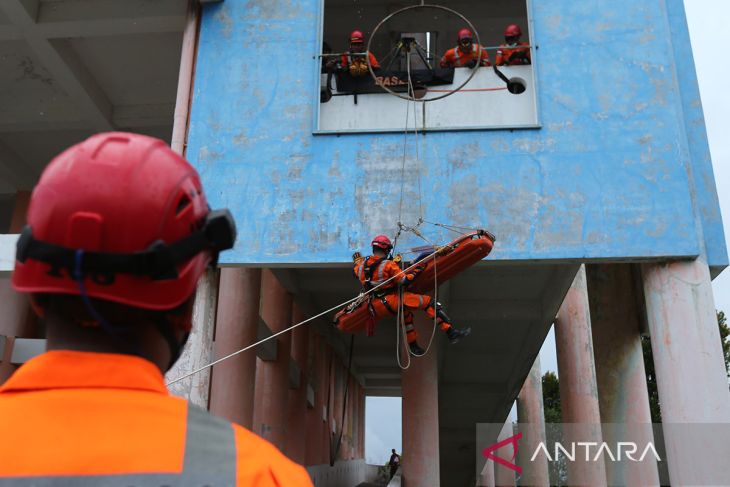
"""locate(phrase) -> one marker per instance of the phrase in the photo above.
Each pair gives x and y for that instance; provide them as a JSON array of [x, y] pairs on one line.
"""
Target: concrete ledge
[[7, 252], [344, 474], [25, 349]]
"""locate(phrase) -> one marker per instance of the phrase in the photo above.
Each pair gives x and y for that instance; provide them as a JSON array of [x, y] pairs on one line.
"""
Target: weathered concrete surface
[[606, 176], [578, 389], [504, 477], [689, 367], [531, 418], [233, 381], [620, 374], [16, 319], [297, 404], [198, 350], [272, 377], [420, 416]]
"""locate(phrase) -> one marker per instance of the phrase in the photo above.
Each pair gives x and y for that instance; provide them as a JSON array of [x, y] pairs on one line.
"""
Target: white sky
[[710, 36]]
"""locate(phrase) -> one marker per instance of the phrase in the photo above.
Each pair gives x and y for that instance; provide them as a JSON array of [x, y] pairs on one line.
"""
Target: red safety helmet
[[357, 37], [464, 33], [512, 30], [383, 242], [120, 217]]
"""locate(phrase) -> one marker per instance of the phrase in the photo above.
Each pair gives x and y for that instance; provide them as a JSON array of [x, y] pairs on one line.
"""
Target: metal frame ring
[[413, 7]]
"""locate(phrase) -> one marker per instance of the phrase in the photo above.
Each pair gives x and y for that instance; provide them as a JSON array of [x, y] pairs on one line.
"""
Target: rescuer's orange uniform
[[347, 60], [385, 301], [458, 58], [513, 55], [80, 418]]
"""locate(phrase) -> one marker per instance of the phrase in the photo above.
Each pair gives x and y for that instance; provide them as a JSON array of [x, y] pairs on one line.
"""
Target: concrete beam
[[14, 171], [61, 62]]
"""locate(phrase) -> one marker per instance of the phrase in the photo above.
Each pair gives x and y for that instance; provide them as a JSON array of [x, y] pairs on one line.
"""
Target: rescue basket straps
[[311, 318]]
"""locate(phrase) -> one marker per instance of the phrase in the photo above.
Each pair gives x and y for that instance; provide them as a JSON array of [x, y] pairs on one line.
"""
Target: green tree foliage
[[724, 332], [551, 397], [656, 414]]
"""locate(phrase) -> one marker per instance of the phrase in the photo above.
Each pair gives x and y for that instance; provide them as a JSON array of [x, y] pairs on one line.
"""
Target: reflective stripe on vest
[[210, 460]]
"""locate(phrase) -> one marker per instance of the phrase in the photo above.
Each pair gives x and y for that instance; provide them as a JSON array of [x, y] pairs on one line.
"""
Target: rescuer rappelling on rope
[[376, 269]]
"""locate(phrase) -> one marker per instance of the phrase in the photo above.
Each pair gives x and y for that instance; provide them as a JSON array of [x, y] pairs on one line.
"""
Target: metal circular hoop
[[413, 7]]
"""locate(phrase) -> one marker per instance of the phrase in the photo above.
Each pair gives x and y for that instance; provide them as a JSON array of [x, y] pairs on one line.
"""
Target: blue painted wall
[[619, 169]]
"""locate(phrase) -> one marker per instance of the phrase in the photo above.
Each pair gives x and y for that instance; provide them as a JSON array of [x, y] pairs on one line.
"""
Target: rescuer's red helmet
[[120, 217], [383, 242], [512, 30], [464, 34], [356, 37]]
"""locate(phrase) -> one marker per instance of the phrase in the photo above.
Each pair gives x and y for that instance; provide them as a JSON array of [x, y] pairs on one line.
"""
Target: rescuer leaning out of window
[[512, 52], [466, 53], [352, 63], [378, 268], [119, 233]]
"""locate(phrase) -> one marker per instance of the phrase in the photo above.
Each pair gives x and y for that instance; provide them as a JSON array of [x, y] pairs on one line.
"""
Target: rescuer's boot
[[416, 349], [455, 335]]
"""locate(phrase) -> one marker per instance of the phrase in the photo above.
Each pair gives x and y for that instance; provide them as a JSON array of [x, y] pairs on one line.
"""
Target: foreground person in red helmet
[[378, 268], [513, 52], [466, 53], [119, 232]]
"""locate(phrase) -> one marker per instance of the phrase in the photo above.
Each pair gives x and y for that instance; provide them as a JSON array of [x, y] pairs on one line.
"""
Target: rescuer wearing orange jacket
[[511, 53], [377, 269], [356, 65], [119, 233], [466, 53]]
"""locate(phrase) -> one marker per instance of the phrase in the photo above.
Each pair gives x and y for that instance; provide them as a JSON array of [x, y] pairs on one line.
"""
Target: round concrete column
[[690, 371], [503, 476], [316, 426], [420, 416], [233, 381], [578, 390], [272, 377], [296, 436], [531, 417], [487, 477], [16, 320], [620, 373]]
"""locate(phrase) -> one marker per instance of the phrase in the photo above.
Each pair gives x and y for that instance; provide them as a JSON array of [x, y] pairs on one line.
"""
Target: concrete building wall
[[614, 171]]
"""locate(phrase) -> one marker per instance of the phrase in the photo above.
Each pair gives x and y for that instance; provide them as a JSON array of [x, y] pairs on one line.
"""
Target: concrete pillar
[[198, 351], [487, 476], [690, 371], [296, 436], [531, 417], [503, 476], [578, 389], [272, 378], [233, 381], [420, 416], [16, 319], [315, 422], [620, 374]]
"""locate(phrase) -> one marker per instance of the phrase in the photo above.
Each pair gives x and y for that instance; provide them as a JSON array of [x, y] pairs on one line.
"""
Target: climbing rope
[[311, 318]]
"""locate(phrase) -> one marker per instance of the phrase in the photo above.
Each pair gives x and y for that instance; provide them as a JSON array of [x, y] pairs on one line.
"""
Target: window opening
[[425, 40]]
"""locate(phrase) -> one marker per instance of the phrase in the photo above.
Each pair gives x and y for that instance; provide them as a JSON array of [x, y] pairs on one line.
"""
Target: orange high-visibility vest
[[85, 419], [457, 58]]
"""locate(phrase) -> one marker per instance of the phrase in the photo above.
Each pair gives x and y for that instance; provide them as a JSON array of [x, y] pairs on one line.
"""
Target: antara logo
[[627, 449], [488, 452]]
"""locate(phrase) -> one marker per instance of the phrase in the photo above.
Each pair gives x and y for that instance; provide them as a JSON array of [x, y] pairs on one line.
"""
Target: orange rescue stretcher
[[449, 260]]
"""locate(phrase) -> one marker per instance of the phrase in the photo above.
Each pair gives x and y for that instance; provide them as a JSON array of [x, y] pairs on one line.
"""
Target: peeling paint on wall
[[609, 175]]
